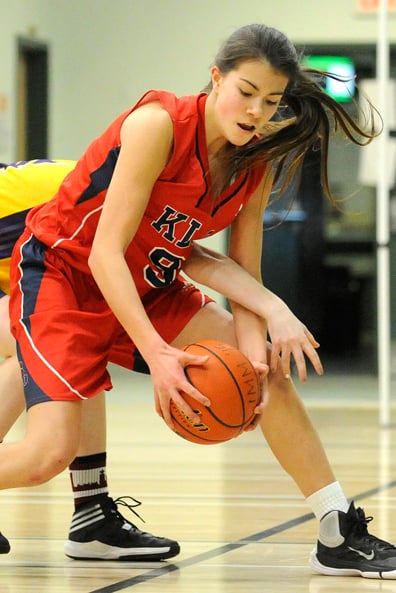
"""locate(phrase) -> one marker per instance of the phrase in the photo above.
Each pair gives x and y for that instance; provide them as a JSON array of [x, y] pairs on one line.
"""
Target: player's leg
[[98, 530], [344, 546], [87, 472], [39, 456], [285, 424], [12, 404]]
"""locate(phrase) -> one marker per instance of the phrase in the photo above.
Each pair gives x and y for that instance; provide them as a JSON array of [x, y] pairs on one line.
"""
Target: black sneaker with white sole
[[346, 548], [99, 532], [4, 544]]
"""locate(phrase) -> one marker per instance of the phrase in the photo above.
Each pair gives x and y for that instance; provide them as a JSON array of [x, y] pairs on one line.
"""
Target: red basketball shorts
[[66, 334]]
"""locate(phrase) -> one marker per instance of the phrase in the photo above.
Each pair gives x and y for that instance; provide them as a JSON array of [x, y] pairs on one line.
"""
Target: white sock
[[329, 498]]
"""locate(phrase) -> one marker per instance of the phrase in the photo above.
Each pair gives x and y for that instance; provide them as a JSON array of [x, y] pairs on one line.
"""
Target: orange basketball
[[229, 380]]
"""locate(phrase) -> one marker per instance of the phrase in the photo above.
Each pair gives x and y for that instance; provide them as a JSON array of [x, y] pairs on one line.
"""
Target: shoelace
[[360, 528], [122, 501]]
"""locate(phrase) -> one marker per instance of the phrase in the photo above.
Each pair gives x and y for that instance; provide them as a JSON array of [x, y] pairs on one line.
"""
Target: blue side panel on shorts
[[33, 251], [33, 393], [11, 228]]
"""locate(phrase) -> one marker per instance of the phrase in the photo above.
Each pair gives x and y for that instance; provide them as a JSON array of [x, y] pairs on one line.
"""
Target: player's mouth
[[247, 128]]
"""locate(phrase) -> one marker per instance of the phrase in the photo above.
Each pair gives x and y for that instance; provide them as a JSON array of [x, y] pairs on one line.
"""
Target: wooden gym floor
[[241, 522]]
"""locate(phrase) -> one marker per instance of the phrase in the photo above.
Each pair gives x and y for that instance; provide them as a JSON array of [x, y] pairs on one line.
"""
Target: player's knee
[[46, 466]]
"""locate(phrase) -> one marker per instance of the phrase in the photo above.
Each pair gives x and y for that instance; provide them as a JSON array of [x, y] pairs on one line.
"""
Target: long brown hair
[[307, 115]]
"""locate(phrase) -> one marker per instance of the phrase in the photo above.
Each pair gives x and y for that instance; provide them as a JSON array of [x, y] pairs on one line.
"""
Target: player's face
[[246, 99]]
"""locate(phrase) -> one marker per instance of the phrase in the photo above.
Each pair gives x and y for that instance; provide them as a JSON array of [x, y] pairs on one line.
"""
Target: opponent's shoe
[[345, 547], [4, 544], [99, 532]]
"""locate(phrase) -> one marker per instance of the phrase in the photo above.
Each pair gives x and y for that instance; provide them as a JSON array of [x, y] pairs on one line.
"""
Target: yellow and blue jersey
[[23, 185]]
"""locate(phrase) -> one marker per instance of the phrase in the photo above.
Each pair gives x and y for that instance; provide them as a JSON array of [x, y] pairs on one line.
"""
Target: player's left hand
[[291, 339]]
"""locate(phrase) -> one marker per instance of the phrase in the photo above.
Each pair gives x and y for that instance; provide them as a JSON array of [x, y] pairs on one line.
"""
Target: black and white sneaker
[[4, 544], [345, 548], [99, 532]]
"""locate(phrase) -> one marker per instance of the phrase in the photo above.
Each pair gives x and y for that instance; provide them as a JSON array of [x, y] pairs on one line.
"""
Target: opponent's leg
[[7, 380], [7, 342], [12, 401]]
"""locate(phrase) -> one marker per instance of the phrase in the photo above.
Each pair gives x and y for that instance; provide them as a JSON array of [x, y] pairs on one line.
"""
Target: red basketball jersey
[[181, 208]]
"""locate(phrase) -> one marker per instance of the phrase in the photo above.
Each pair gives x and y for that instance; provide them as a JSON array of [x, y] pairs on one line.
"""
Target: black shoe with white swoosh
[[346, 548]]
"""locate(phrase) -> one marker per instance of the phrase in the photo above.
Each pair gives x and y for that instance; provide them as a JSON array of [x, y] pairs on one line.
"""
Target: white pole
[[382, 223]]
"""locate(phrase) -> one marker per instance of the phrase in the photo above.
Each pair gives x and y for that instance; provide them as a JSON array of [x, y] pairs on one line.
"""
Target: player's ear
[[216, 77]]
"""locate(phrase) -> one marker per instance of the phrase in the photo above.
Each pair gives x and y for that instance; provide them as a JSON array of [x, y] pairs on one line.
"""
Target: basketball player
[[109, 537], [106, 252]]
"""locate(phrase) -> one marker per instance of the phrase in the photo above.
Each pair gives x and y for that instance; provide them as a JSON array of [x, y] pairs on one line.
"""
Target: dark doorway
[[32, 93]]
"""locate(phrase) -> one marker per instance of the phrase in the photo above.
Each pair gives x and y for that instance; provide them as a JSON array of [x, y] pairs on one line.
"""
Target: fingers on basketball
[[230, 382]]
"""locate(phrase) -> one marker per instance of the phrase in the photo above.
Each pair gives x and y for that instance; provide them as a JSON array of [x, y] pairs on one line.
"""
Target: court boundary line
[[224, 549]]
